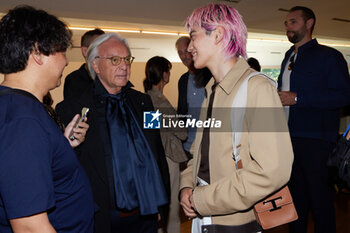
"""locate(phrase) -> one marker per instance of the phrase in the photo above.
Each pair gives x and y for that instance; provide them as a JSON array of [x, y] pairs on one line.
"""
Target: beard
[[297, 36]]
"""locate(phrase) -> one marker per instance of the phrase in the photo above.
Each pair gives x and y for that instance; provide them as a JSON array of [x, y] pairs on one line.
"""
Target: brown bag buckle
[[273, 202]]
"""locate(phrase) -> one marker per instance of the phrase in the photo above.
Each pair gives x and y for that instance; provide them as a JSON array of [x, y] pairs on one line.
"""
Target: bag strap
[[346, 131], [237, 115]]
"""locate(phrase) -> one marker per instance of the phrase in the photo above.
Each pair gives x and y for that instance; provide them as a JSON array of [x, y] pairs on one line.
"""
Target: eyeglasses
[[116, 60], [291, 62]]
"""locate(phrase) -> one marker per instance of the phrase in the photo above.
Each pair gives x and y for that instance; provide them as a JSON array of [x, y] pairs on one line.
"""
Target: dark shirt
[[320, 77], [38, 168], [77, 82]]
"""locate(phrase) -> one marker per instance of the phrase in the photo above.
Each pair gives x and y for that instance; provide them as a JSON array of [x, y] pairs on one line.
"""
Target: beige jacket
[[171, 137], [266, 153]]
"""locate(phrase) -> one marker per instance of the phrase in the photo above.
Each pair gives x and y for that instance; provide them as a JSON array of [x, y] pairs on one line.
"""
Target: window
[[272, 72]]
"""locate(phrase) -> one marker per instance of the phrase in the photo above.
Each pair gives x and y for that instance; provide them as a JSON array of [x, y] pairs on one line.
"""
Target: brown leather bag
[[276, 210]]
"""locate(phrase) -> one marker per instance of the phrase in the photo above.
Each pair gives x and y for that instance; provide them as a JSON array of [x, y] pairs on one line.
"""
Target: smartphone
[[84, 112]]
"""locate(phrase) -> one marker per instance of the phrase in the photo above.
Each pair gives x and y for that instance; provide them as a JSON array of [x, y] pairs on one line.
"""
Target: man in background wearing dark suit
[[80, 79]]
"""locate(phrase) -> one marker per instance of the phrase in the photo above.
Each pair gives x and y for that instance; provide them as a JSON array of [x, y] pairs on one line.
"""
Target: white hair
[[92, 52]]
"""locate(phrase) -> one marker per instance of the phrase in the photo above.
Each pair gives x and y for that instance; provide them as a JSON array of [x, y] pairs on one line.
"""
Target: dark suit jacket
[[320, 77], [92, 152], [182, 107], [77, 82]]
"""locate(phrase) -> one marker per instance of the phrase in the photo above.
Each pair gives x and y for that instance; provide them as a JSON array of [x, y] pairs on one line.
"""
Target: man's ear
[[36, 55], [95, 66], [309, 23], [84, 51], [218, 34]]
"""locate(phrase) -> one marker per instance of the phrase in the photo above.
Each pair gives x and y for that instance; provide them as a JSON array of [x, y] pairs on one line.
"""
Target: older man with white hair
[[125, 163]]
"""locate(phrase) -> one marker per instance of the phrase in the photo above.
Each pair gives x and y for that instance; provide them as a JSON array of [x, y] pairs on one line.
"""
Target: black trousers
[[134, 223], [309, 186]]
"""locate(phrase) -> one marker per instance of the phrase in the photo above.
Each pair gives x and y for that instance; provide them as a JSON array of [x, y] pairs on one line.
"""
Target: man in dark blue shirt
[[43, 188], [314, 84]]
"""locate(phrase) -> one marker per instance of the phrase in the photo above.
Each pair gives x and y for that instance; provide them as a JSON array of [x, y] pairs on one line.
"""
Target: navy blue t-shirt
[[39, 170]]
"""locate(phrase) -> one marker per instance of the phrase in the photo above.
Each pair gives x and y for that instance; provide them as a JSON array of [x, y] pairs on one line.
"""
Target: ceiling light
[[130, 31], [286, 41], [283, 9], [335, 44], [167, 33], [269, 40], [160, 33], [120, 30], [341, 20]]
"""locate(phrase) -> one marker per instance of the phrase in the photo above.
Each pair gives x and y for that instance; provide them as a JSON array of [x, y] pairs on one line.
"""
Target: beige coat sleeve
[[186, 178], [267, 158]]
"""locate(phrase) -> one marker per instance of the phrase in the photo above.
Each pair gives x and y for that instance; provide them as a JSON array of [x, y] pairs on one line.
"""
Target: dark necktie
[[137, 180], [204, 172]]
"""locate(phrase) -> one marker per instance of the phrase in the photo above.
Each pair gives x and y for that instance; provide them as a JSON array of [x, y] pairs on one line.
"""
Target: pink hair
[[213, 15]]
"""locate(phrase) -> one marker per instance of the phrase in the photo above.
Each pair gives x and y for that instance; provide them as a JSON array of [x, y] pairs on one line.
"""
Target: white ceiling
[[260, 16]]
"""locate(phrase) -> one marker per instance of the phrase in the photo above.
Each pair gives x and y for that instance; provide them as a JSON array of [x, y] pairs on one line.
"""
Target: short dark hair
[[86, 39], [155, 67], [24, 29], [307, 14], [254, 63]]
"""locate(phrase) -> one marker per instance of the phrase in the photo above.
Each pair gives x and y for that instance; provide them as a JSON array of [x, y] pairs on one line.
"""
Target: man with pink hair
[[219, 189]]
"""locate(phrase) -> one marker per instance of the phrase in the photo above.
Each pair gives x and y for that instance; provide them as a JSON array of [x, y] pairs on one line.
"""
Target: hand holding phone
[[83, 115]]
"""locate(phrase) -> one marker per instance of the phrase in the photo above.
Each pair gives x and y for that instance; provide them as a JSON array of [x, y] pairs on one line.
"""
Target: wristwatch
[[296, 99]]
